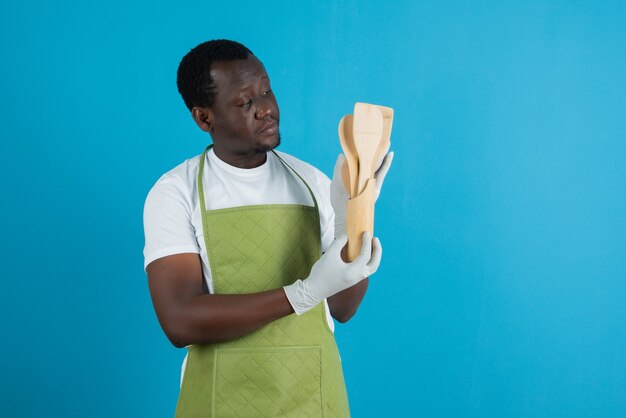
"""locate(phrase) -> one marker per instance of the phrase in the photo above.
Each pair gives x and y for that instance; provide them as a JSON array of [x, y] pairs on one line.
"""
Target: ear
[[203, 118]]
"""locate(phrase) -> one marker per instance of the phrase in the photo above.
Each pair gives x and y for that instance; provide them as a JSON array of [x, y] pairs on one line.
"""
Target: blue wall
[[503, 221]]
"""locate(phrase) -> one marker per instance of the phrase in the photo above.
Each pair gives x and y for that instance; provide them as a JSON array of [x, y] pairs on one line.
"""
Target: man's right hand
[[330, 274]]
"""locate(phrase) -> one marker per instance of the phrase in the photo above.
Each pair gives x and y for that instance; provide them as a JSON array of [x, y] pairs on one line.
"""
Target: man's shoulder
[[178, 181], [184, 173]]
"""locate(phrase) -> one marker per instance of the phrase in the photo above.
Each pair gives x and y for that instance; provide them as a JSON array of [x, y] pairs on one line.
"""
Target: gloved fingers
[[382, 171], [377, 254], [338, 165]]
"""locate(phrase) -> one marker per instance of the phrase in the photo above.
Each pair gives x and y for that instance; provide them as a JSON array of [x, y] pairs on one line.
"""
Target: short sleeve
[[167, 222]]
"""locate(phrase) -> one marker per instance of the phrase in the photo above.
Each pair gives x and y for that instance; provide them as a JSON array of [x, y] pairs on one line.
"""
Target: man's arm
[[189, 316], [343, 305]]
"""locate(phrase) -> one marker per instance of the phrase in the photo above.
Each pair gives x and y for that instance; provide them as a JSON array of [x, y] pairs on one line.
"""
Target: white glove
[[339, 196], [330, 274]]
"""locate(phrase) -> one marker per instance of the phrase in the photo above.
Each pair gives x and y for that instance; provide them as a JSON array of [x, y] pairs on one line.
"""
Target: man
[[234, 243]]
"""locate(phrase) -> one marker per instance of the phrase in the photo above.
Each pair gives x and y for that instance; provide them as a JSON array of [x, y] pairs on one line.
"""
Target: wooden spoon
[[349, 150], [367, 131], [385, 141]]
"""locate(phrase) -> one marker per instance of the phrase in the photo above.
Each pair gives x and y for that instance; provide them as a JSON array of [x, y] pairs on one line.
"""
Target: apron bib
[[288, 368]]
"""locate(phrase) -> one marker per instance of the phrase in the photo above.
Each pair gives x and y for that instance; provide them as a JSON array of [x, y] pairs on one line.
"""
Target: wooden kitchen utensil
[[349, 171], [367, 132], [365, 140], [385, 142], [345, 177], [360, 218]]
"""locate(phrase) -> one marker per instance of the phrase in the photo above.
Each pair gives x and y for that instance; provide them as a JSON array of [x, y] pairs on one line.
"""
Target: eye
[[246, 104], [266, 92]]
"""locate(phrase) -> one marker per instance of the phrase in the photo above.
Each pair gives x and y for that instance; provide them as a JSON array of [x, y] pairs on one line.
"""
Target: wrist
[[300, 297]]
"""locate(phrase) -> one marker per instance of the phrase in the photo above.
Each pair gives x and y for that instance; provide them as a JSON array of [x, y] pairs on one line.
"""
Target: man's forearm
[[209, 318], [343, 305]]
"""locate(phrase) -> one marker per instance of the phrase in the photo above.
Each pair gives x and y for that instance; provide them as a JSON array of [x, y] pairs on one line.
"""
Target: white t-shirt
[[172, 218]]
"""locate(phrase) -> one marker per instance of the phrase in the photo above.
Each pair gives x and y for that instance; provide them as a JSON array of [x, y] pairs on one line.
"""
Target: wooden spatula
[[385, 141], [349, 171], [367, 131], [360, 218]]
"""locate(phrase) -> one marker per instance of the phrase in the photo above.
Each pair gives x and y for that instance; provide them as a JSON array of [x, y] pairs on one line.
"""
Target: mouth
[[270, 128]]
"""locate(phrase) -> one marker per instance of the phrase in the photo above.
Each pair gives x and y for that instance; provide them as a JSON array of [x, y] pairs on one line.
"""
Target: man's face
[[245, 112]]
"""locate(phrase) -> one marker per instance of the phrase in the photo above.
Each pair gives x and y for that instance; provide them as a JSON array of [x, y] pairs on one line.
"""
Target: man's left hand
[[339, 196]]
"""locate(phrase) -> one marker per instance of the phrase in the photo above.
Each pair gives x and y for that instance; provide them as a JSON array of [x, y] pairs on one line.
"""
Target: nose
[[263, 109]]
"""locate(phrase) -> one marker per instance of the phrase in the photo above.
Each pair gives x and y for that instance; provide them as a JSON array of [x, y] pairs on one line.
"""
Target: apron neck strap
[[201, 185], [296, 173]]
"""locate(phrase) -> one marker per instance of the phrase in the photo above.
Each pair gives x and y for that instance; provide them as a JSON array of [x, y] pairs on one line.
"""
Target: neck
[[250, 159]]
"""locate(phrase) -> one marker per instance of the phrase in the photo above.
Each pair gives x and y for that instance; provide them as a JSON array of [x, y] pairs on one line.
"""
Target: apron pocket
[[268, 382]]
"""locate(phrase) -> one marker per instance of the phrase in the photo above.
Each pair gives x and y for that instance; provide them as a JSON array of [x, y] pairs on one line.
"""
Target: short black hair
[[193, 78]]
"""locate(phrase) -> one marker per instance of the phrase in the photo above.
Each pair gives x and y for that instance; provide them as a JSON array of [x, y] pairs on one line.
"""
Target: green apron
[[288, 368]]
